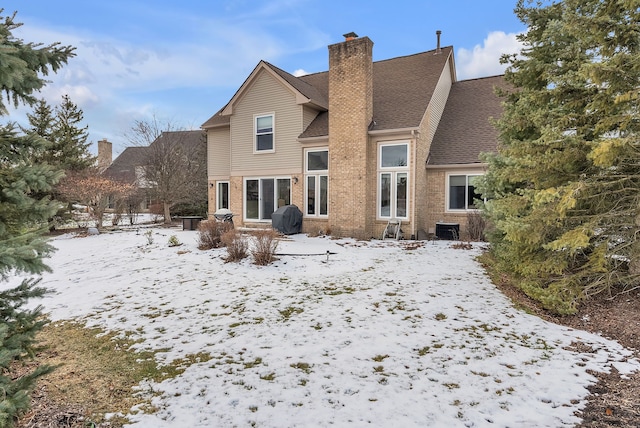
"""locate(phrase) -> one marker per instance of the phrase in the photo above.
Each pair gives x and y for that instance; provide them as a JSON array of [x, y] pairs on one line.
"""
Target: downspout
[[414, 181]]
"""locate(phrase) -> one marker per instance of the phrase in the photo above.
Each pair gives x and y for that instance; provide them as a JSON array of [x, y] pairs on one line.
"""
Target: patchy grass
[[305, 367], [95, 374], [287, 312]]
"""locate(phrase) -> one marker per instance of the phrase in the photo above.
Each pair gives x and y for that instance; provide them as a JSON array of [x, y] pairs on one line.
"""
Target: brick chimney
[[350, 113], [104, 154]]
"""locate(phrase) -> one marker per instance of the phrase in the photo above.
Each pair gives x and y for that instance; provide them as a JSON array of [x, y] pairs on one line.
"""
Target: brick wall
[[350, 113]]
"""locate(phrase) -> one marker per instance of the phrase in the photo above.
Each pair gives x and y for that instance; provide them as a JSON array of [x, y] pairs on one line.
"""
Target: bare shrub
[[265, 242], [210, 232], [236, 244], [476, 226]]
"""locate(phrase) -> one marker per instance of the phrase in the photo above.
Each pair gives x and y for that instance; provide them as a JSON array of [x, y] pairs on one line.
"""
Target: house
[[129, 166], [355, 146]]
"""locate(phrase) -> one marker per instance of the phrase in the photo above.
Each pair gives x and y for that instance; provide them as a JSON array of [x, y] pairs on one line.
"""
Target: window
[[263, 196], [316, 182], [393, 178], [222, 195], [264, 133], [462, 193]]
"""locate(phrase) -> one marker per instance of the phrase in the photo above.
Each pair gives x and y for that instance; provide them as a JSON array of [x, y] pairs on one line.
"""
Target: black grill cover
[[287, 220]]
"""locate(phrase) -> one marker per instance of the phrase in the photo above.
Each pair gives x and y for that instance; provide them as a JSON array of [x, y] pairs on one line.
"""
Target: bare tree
[[95, 191], [174, 170], [144, 132]]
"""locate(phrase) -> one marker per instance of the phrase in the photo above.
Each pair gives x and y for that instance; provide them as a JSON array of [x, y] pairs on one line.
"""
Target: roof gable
[[402, 90], [304, 93]]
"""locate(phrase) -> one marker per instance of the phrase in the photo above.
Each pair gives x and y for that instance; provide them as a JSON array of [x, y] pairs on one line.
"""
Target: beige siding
[[266, 96], [424, 199], [218, 153], [308, 114], [438, 100]]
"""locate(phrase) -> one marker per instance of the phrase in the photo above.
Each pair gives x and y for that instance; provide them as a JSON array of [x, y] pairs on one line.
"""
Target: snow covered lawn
[[380, 334]]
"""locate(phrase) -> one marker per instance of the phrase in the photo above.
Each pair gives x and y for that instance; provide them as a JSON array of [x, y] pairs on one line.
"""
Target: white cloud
[[81, 95], [300, 72], [484, 60]]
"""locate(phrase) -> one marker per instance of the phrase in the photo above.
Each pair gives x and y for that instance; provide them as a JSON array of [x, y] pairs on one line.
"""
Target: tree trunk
[[167, 212]]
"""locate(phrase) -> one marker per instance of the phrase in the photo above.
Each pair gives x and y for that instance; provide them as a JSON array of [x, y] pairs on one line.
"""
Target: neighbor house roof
[[187, 138], [402, 90], [123, 168], [465, 129]]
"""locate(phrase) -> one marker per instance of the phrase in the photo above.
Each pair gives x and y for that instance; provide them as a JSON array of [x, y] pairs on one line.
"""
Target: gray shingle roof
[[402, 89], [465, 129], [123, 168]]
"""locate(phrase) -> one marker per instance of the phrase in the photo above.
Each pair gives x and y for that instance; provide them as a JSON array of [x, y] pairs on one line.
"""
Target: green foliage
[[70, 148], [24, 63], [23, 217], [174, 241], [565, 183], [41, 120], [23, 212], [67, 147]]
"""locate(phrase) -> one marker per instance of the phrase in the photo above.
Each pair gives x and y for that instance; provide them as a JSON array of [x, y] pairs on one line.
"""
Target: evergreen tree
[[70, 148], [564, 185], [41, 120], [23, 215]]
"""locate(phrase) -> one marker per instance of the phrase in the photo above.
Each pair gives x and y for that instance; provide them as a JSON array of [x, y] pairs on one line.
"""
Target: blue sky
[[182, 61]]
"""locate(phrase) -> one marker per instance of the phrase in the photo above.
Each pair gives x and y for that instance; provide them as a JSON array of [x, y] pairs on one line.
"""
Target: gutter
[[411, 130], [458, 166]]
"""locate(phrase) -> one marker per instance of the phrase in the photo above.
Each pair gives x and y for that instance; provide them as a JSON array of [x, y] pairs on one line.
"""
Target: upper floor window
[[316, 182], [393, 177], [264, 133], [462, 192]]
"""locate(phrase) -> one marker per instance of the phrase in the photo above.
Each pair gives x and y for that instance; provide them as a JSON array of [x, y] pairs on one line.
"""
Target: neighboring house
[[356, 146], [129, 166]]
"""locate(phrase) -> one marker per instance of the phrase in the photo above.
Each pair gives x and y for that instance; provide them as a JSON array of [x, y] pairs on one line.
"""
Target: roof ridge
[[480, 78], [414, 54]]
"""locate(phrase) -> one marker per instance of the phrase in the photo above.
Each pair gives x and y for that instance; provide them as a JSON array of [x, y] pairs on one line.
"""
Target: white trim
[[316, 174], [393, 172], [382, 144], [275, 200], [478, 165], [447, 187], [255, 133], [324, 139], [393, 131], [218, 193]]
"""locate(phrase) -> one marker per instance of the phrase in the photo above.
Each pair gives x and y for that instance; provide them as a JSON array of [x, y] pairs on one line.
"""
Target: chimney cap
[[350, 36]]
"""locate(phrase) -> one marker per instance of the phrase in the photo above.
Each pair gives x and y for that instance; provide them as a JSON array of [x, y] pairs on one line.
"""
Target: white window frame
[[218, 205], [393, 171], [275, 197], [255, 133], [316, 174], [467, 175]]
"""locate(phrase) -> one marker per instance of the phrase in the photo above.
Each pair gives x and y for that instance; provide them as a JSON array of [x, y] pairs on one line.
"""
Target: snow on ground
[[377, 335]]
